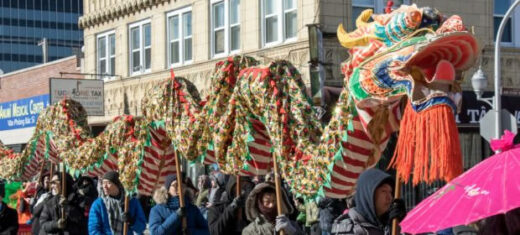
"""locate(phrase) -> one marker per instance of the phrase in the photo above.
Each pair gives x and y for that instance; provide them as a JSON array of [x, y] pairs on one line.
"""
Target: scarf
[[268, 213], [173, 203], [115, 214]]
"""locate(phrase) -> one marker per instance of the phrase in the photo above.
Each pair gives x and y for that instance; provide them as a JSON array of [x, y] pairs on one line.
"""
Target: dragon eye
[[430, 18]]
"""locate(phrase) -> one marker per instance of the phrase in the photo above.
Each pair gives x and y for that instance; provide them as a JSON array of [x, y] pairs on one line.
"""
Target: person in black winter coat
[[51, 220], [330, 209], [42, 195], [8, 216], [228, 216], [218, 183], [42, 188], [84, 193], [374, 207]]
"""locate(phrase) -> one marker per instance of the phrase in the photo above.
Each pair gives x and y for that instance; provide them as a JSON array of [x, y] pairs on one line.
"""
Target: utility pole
[[43, 43]]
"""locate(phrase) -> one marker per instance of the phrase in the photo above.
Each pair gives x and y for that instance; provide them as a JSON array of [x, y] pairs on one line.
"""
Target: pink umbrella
[[489, 188]]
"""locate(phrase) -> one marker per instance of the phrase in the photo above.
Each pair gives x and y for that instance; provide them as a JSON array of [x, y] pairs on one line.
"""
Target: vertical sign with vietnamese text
[[22, 113]]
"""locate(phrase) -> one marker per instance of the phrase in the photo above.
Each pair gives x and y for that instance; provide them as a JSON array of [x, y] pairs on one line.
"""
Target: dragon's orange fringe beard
[[428, 146]]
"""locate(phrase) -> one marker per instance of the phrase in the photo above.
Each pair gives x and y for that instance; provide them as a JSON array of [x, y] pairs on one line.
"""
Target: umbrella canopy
[[489, 188]]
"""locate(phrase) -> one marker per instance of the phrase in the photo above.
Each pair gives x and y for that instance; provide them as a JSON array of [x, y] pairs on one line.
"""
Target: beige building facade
[[134, 43]]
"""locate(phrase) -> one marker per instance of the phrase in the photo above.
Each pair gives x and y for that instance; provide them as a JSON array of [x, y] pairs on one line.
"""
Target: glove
[[127, 218], [180, 212], [81, 192], [238, 202], [397, 210], [283, 223], [61, 224]]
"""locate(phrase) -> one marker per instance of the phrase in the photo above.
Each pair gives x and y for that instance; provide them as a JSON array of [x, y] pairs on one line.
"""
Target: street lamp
[[479, 82]]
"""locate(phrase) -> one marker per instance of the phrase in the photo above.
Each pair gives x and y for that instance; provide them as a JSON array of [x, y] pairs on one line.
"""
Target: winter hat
[[169, 180], [113, 177]]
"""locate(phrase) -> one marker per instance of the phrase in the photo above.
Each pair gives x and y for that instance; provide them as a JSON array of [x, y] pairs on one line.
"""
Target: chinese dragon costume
[[403, 74]]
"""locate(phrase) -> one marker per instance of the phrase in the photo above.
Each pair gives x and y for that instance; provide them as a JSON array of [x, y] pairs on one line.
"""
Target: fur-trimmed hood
[[160, 196], [252, 211]]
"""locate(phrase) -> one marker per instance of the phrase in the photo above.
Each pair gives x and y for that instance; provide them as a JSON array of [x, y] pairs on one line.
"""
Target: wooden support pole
[[63, 188], [125, 225], [278, 189], [180, 191], [51, 171]]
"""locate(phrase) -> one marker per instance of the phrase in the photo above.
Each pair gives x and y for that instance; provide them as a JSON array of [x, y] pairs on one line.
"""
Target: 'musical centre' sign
[[88, 92]]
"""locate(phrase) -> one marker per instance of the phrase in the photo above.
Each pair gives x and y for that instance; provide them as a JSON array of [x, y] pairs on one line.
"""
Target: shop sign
[[88, 92], [472, 110], [22, 113]]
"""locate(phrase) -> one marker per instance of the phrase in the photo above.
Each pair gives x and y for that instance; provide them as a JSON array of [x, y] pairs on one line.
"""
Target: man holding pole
[[59, 215], [227, 216], [374, 207], [261, 210], [167, 216], [107, 215]]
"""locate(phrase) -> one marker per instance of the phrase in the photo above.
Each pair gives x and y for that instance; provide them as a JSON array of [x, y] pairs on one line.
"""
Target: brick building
[[24, 93]]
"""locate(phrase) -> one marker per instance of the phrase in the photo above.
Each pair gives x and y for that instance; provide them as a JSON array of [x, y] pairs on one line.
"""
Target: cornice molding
[[106, 14]]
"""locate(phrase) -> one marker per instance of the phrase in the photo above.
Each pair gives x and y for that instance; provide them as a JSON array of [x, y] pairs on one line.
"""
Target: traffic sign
[[487, 124]]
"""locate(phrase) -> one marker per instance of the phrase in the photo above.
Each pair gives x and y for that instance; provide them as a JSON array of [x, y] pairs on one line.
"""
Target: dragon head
[[415, 53]]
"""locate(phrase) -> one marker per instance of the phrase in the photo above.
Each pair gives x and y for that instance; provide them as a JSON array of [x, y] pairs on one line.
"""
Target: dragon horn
[[363, 18], [362, 35]]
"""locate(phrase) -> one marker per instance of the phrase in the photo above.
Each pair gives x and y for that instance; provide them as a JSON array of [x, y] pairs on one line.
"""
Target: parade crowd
[[214, 206]]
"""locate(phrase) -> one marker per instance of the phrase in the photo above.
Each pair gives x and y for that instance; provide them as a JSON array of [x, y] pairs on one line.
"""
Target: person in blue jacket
[[107, 214], [166, 216]]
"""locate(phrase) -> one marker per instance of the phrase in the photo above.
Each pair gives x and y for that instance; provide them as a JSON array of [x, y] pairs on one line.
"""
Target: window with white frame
[[179, 37], [510, 36], [279, 21], [106, 55], [140, 47], [378, 6], [225, 27]]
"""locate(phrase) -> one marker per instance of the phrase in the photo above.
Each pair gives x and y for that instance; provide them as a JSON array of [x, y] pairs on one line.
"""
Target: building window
[[511, 34], [140, 47], [279, 21], [179, 37], [225, 24], [106, 54], [378, 6]]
